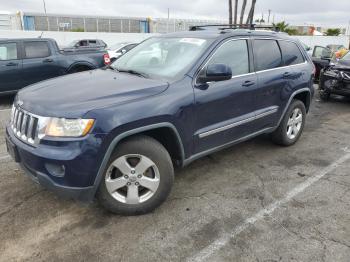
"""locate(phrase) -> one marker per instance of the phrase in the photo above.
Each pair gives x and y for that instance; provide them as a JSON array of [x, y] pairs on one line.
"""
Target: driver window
[[234, 54]]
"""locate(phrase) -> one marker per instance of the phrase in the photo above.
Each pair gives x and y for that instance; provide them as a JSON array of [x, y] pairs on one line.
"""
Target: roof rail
[[223, 27]]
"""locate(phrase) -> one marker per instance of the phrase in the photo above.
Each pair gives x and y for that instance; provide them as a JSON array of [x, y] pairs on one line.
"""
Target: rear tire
[[138, 177], [78, 69], [291, 126], [324, 95]]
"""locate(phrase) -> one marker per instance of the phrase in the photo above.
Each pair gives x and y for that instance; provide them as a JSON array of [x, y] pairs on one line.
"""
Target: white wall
[[64, 38], [324, 40]]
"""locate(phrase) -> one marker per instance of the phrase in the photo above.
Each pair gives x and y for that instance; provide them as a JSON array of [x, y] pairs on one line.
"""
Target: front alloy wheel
[[132, 179], [139, 177]]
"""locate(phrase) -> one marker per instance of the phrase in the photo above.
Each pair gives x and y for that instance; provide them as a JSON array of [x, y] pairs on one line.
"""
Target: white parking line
[[224, 239]]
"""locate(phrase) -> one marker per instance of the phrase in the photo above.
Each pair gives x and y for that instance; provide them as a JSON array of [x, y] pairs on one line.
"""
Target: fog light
[[55, 170]]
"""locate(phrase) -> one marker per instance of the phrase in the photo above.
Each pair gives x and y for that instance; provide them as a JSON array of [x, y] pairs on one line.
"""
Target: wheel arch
[[150, 130], [303, 94], [81, 64]]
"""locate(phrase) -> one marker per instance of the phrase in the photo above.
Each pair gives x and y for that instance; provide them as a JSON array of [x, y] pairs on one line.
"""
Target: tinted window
[[233, 54], [36, 49], [291, 53], [267, 54], [8, 51]]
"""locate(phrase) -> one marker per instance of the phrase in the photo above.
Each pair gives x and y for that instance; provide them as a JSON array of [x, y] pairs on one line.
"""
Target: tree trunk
[[236, 11], [230, 11], [251, 13], [244, 4]]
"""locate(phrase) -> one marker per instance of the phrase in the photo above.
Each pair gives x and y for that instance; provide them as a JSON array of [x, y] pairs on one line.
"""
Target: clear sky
[[296, 12]]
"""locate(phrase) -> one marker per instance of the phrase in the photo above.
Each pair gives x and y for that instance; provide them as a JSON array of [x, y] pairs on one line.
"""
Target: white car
[[117, 50]]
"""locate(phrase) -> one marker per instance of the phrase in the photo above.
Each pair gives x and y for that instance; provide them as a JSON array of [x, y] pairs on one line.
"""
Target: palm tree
[[244, 4], [251, 13], [282, 26], [230, 11], [236, 11]]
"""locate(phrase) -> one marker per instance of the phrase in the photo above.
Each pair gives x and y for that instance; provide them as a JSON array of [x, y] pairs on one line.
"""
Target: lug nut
[[132, 171], [128, 184], [136, 184], [139, 176], [126, 177]]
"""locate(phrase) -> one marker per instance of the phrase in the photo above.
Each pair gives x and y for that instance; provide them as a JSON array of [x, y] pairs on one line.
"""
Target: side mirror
[[215, 73]]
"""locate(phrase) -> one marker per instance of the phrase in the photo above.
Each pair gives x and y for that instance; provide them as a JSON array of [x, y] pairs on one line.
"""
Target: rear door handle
[[248, 83], [12, 64], [48, 60], [287, 75]]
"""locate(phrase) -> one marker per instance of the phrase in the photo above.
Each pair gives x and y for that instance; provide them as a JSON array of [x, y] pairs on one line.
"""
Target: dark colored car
[[321, 56], [27, 61], [116, 134], [335, 79], [86, 44]]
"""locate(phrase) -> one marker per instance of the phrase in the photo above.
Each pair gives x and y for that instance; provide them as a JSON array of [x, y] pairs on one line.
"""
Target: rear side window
[[36, 49], [233, 54], [267, 54], [8, 51], [291, 53]]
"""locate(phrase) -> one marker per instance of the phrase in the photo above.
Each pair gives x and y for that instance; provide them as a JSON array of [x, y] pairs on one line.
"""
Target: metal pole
[[167, 25]]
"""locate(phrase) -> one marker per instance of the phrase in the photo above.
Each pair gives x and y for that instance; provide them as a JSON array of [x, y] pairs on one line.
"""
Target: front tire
[[138, 178], [292, 125]]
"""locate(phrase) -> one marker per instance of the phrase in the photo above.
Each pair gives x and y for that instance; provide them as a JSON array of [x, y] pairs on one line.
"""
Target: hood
[[74, 95], [342, 64]]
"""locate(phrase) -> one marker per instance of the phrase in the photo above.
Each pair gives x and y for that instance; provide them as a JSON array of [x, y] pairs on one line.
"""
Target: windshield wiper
[[133, 72]]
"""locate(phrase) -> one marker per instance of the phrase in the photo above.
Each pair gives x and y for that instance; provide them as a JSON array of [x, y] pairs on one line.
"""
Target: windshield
[[346, 57], [117, 46], [165, 58], [73, 43]]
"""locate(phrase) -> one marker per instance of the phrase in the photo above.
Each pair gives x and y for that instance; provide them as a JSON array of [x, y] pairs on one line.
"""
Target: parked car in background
[[322, 56], [27, 61], [119, 49], [86, 44], [116, 134], [335, 78]]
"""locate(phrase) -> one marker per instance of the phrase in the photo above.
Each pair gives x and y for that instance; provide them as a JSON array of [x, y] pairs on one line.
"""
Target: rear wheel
[[138, 179], [78, 69], [324, 95], [292, 125]]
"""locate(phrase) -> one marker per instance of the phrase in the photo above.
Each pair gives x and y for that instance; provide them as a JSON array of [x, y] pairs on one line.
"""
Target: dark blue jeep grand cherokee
[[116, 134]]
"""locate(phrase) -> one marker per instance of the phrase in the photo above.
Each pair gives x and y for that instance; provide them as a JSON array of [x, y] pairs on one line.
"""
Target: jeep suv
[[117, 133]]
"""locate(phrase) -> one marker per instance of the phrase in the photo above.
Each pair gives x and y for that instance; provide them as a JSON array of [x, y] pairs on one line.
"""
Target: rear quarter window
[[267, 54], [291, 53], [36, 49]]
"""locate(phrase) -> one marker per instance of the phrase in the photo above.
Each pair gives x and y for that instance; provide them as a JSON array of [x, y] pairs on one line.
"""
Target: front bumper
[[331, 82], [80, 161]]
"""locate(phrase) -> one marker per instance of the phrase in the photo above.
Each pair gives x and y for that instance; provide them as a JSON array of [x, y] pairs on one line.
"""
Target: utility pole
[[230, 12], [47, 18], [167, 25], [268, 19]]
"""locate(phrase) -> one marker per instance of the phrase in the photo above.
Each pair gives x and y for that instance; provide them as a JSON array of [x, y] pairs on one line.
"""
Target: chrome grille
[[24, 125]]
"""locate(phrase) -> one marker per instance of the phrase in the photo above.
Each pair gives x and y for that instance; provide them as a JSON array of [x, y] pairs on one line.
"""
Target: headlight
[[61, 127]]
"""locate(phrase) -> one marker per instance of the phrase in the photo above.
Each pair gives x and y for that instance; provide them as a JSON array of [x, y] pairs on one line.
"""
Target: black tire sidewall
[[280, 135], [152, 149]]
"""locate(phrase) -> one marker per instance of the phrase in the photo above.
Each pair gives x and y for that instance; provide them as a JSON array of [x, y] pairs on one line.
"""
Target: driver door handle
[[287, 75], [48, 60], [248, 83], [12, 64]]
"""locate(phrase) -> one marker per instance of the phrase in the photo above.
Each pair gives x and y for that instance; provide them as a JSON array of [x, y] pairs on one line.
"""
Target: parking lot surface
[[252, 202]]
